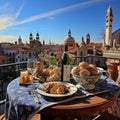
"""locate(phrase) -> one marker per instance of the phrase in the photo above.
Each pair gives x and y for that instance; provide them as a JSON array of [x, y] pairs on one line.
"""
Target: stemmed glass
[[31, 66], [31, 69]]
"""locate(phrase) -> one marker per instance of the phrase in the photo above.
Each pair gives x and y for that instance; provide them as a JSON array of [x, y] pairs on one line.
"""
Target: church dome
[[69, 40]]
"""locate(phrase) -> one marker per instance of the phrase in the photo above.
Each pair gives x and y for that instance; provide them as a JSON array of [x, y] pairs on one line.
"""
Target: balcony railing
[[7, 73], [99, 61]]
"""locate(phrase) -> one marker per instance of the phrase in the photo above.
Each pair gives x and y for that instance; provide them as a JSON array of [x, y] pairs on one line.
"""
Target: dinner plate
[[71, 89]]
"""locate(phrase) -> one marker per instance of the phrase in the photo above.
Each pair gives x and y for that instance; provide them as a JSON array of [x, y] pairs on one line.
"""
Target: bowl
[[86, 82]]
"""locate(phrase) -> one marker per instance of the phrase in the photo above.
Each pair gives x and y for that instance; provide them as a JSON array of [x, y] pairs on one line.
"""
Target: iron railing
[[7, 73], [99, 61]]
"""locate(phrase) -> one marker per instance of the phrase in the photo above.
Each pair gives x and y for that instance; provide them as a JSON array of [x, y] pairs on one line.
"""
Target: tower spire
[[108, 32]]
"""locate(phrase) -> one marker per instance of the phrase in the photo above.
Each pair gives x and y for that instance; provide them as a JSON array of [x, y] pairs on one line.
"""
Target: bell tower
[[87, 38], [30, 37], [108, 32], [37, 36]]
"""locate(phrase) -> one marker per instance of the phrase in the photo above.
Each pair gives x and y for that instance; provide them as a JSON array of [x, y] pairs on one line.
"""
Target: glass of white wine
[[31, 69], [31, 65]]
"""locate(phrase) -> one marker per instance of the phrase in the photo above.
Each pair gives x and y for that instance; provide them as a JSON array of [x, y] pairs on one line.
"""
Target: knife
[[36, 98]]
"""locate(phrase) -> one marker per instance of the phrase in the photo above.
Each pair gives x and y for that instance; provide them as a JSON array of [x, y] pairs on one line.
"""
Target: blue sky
[[52, 19]]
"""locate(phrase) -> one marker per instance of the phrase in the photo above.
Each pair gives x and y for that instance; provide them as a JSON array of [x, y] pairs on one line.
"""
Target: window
[[90, 51], [3, 61], [81, 54]]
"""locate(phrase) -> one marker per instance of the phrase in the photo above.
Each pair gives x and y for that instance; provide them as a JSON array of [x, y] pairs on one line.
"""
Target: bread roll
[[84, 72], [53, 77], [56, 88], [45, 72], [53, 90], [83, 65], [93, 66], [75, 70], [60, 90], [92, 69], [39, 68], [51, 71]]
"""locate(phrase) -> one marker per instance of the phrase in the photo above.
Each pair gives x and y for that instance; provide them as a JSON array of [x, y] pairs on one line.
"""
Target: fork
[[35, 96]]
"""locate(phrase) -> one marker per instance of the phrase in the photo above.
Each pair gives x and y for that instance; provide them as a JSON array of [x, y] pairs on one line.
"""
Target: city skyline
[[53, 19]]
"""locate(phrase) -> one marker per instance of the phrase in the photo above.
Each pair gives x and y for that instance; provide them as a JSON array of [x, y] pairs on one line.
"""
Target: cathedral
[[69, 40], [111, 44], [34, 43]]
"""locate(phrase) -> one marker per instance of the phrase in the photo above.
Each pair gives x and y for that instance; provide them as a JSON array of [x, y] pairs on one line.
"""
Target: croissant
[[39, 69]]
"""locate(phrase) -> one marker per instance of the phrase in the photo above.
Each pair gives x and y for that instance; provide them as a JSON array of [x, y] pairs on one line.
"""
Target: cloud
[[8, 20], [55, 12], [5, 21], [6, 38]]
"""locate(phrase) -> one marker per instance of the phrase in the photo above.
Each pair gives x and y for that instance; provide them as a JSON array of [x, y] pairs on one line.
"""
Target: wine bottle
[[65, 68]]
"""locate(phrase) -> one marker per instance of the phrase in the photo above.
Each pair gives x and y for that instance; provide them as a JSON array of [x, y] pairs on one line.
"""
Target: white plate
[[99, 68], [71, 90]]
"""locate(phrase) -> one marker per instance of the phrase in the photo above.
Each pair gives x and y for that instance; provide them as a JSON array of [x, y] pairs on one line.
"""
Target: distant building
[[4, 59], [69, 40], [111, 45], [88, 48], [4, 45], [34, 43], [19, 54]]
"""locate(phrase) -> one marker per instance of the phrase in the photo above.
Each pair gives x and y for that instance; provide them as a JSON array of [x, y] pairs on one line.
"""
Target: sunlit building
[[69, 40], [111, 43]]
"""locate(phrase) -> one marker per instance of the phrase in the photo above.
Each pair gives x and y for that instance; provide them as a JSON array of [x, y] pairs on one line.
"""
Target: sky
[[53, 18]]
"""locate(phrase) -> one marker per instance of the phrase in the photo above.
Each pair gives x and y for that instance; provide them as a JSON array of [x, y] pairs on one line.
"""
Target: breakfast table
[[22, 104]]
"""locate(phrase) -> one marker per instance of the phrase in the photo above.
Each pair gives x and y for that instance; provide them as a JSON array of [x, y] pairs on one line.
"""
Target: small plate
[[72, 89]]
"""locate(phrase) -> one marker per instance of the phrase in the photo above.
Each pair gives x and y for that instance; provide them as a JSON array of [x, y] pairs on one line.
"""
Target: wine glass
[[31, 66], [31, 69]]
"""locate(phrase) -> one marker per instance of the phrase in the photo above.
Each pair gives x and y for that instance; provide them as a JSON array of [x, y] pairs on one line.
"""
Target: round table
[[79, 108], [20, 105]]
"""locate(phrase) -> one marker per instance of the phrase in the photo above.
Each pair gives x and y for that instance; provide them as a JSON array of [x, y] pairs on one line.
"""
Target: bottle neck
[[65, 48]]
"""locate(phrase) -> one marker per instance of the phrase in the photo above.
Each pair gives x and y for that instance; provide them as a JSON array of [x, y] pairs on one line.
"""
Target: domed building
[[69, 40]]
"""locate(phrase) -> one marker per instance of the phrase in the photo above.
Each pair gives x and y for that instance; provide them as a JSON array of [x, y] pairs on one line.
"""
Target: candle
[[24, 76]]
